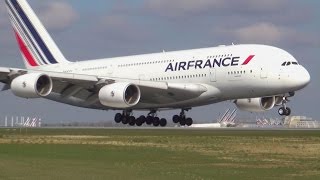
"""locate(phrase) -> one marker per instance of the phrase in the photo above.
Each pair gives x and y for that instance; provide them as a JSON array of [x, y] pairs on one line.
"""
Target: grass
[[158, 154]]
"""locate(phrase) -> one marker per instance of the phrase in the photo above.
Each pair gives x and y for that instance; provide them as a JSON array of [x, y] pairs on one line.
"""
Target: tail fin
[[36, 45]]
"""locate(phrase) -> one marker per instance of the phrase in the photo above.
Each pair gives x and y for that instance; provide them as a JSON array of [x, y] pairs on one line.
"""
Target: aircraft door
[[110, 70], [264, 73], [212, 74]]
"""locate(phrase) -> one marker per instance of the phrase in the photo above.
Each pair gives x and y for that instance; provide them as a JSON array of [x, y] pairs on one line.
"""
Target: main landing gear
[[151, 119], [182, 119], [284, 110]]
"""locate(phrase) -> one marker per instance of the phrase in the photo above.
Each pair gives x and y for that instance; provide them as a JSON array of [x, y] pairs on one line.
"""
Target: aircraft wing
[[86, 86]]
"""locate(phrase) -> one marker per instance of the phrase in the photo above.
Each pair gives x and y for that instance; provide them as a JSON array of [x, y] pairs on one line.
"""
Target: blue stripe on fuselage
[[34, 33]]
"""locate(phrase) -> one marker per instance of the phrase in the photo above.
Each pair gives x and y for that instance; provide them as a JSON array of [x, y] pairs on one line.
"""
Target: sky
[[100, 29]]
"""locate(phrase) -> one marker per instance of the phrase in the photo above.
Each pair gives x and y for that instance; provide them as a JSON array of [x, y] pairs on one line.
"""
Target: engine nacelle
[[256, 104], [120, 95], [32, 85]]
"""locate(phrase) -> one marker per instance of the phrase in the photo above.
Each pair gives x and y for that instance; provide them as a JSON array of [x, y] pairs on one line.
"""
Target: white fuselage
[[227, 73]]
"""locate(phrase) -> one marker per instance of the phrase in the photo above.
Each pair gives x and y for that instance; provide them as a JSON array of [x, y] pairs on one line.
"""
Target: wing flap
[[176, 92]]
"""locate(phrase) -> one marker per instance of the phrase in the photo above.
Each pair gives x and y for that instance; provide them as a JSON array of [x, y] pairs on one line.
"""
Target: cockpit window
[[289, 63]]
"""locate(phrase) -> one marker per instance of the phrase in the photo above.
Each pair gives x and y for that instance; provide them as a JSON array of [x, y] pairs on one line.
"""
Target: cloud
[[268, 33], [58, 15], [183, 8], [261, 32], [123, 27], [3, 15], [2, 9]]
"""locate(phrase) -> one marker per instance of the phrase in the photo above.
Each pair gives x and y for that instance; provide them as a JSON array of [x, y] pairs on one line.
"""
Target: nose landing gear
[[284, 110]]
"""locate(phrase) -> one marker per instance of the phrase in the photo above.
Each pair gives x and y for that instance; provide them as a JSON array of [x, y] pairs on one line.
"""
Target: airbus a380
[[254, 77]]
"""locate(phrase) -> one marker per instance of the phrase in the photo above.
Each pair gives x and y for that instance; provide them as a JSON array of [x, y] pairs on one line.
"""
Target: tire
[[282, 111], [163, 122], [139, 122], [189, 121], [118, 118], [124, 120], [156, 121], [132, 121], [143, 119], [288, 111], [149, 120], [176, 119], [183, 122]]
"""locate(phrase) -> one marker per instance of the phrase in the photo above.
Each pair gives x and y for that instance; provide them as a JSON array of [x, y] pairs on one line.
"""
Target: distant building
[[300, 122]]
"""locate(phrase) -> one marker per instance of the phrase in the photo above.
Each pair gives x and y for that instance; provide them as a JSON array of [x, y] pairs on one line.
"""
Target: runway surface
[[178, 128]]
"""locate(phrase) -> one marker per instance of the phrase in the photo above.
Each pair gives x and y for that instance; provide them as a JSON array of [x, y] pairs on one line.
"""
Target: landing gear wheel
[[139, 122], [288, 111], [156, 121], [124, 120], [284, 111], [163, 122], [183, 122], [132, 121], [176, 119], [281, 111], [189, 121], [118, 118], [143, 119], [149, 120]]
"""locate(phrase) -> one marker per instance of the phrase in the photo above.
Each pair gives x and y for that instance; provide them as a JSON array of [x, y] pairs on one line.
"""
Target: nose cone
[[302, 78]]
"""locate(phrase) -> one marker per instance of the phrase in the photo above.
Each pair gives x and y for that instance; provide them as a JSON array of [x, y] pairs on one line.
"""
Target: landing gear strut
[[182, 119]]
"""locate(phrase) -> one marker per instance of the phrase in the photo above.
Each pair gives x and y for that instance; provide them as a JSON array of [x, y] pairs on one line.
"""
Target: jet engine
[[33, 85], [120, 95], [256, 104]]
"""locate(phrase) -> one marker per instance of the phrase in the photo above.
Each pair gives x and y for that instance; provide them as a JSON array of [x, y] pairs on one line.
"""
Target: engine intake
[[256, 104], [33, 85], [120, 95]]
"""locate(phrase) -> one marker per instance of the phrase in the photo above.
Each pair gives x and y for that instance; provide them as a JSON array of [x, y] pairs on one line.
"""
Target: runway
[[176, 128]]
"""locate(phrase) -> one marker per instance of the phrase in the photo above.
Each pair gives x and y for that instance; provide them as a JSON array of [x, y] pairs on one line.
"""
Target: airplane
[[255, 77], [225, 121]]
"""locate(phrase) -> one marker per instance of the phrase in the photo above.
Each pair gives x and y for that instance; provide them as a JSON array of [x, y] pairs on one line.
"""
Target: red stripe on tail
[[248, 60], [25, 51]]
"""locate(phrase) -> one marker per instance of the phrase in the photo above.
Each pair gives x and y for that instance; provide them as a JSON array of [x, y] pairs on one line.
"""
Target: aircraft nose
[[302, 78]]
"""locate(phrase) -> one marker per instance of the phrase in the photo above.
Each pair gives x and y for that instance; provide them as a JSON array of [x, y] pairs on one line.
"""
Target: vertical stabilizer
[[36, 45]]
